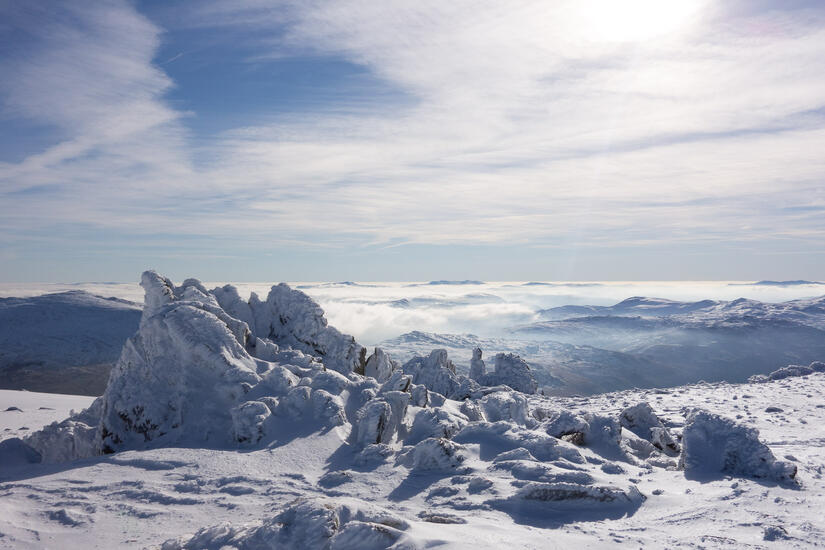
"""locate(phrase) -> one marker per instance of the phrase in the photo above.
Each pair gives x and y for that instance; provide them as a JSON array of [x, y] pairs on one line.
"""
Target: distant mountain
[[456, 283], [779, 283], [64, 342]]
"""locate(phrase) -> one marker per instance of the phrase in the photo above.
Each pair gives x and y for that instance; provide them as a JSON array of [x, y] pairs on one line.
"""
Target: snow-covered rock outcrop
[[713, 445], [641, 420], [510, 370], [290, 318], [788, 372], [380, 366], [306, 523], [435, 371]]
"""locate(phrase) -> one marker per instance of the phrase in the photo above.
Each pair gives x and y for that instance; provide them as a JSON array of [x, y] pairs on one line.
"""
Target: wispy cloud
[[526, 123]]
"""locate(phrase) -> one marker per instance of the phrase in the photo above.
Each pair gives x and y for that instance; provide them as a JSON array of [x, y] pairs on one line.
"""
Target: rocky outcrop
[[713, 446], [510, 370], [435, 371], [642, 421]]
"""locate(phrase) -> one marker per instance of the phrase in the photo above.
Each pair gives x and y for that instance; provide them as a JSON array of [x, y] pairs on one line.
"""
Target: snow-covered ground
[[121, 500], [252, 424]]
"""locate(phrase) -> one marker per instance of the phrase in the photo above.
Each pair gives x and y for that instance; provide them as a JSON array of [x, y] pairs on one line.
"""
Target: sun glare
[[634, 20]]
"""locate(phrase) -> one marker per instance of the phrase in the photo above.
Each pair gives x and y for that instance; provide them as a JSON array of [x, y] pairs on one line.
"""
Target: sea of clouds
[[373, 312]]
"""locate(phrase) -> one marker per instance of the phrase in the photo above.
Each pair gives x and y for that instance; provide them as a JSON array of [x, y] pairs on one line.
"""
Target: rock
[[642, 421], [714, 446], [511, 370], [380, 366], [435, 371], [477, 367], [290, 318], [248, 421], [435, 453], [437, 422]]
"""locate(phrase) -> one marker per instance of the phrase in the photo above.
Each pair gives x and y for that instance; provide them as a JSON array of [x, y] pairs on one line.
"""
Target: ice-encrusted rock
[[511, 370], [306, 523], [435, 453], [181, 374], [434, 422], [477, 367], [571, 493], [713, 445], [248, 421], [73, 438], [561, 422], [398, 381], [290, 318], [507, 436], [641, 420], [380, 366], [435, 371], [471, 410], [787, 372], [375, 423], [509, 405]]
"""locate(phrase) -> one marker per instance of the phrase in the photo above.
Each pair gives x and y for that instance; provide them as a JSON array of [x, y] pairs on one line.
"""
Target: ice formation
[[714, 445]]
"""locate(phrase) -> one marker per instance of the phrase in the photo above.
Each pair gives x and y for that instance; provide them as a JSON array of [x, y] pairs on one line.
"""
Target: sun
[[633, 20]]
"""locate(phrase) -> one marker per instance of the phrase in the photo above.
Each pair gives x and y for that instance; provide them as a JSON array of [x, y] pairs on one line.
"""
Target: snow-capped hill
[[780, 283], [63, 342], [634, 306]]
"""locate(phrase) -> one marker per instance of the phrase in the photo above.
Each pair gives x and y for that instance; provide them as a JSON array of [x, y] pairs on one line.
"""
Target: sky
[[361, 140]]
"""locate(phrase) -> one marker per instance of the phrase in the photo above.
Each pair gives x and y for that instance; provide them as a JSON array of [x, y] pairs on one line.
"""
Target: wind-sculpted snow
[[714, 445], [310, 524], [789, 371], [198, 391]]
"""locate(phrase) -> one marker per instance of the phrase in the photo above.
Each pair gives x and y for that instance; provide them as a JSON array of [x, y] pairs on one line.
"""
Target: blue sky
[[249, 140]]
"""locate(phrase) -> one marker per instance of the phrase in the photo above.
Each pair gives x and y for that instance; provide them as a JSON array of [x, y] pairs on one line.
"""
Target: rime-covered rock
[[181, 374], [374, 423], [641, 420], [435, 371], [435, 453], [290, 318], [380, 366], [713, 445], [305, 523], [511, 370], [248, 421], [73, 438], [477, 368], [505, 405], [434, 422]]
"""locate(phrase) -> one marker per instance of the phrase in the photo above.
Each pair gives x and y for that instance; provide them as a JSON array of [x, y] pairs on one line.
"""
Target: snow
[[253, 428]]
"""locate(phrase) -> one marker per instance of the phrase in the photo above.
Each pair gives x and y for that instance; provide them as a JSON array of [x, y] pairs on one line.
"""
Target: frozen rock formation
[[380, 366], [306, 523], [435, 371], [641, 420], [787, 372], [181, 374], [713, 445], [510, 370], [290, 318], [477, 367], [75, 437]]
